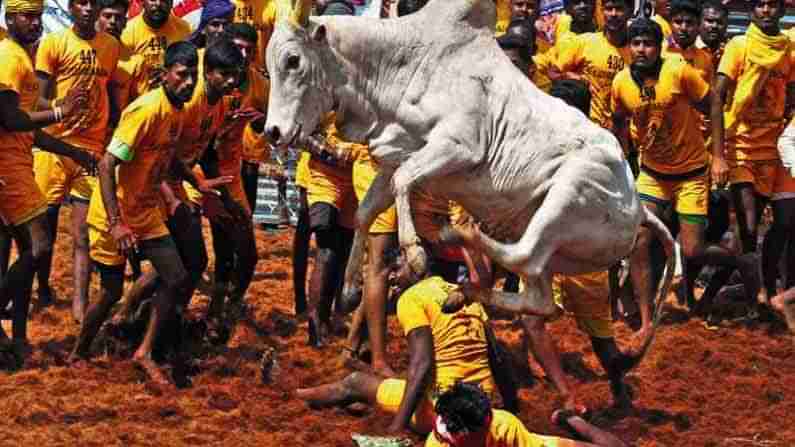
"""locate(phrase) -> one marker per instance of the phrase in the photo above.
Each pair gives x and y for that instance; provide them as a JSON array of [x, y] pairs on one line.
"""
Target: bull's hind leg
[[377, 200]]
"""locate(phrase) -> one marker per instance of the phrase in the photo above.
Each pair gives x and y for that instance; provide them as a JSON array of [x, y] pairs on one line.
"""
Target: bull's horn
[[300, 12]]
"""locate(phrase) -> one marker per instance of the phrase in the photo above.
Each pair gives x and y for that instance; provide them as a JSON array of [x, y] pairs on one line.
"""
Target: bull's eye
[[293, 61]]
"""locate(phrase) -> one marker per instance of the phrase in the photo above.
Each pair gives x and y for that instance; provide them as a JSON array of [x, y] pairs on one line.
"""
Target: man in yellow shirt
[[444, 349], [466, 419], [22, 204], [597, 57], [662, 15], [662, 98], [236, 250], [685, 16], [712, 35], [146, 38], [78, 57], [756, 82], [138, 157]]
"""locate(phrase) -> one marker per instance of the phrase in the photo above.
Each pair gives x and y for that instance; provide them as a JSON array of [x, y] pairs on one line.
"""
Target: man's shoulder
[[151, 104]]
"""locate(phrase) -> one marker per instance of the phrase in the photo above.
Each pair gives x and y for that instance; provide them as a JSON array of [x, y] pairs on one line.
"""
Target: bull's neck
[[369, 85]]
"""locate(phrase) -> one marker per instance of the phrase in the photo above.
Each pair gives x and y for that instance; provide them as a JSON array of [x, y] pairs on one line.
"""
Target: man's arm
[[46, 92], [122, 234], [420, 342], [717, 98], [48, 143], [15, 120]]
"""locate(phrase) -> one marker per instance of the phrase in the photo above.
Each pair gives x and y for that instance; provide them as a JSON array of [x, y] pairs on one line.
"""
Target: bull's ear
[[319, 34]]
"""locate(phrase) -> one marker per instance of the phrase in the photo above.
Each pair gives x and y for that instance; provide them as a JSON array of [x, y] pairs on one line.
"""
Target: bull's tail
[[660, 231]]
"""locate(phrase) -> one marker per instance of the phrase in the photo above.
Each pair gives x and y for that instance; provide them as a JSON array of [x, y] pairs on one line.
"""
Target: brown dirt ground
[[731, 387]]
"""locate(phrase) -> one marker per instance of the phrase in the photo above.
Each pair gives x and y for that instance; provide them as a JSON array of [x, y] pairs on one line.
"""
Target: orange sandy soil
[[731, 387]]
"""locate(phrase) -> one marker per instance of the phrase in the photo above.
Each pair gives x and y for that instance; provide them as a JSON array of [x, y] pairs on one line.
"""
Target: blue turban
[[213, 9]]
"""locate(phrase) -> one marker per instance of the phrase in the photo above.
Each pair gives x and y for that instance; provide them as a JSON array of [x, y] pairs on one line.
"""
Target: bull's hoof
[[349, 299], [417, 260]]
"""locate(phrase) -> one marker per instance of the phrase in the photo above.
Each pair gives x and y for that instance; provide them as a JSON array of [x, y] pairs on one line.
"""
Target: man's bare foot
[[148, 366], [324, 395], [785, 303]]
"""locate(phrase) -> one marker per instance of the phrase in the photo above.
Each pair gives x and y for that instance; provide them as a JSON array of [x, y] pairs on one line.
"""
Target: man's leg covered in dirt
[[540, 343], [356, 387], [173, 282], [616, 364], [323, 284], [775, 243], [44, 291], [82, 263], [224, 265], [112, 287]]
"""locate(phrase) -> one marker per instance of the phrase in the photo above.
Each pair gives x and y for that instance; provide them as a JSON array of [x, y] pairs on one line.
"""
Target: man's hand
[[123, 236], [206, 186], [87, 161], [75, 100], [233, 117], [719, 171]]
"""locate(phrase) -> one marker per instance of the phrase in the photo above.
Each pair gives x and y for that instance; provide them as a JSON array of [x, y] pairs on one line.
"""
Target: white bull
[[443, 109]]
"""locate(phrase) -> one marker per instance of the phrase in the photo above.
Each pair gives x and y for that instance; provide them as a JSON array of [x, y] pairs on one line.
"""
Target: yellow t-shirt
[[144, 140], [757, 132], [141, 39], [262, 15], [715, 55], [666, 27], [506, 430], [543, 61], [459, 339], [130, 78], [17, 75], [664, 123], [72, 62], [503, 16], [592, 56], [696, 57], [230, 147]]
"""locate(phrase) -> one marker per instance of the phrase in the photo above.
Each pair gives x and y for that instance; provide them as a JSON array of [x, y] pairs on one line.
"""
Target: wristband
[[58, 112], [114, 220]]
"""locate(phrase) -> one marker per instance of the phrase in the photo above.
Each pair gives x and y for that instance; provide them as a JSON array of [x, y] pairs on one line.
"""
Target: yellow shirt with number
[[150, 43], [506, 430], [144, 140], [594, 58], [459, 339], [72, 62], [664, 123], [262, 15], [757, 132]]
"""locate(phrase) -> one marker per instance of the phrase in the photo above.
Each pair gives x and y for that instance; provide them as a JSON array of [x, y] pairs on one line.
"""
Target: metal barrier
[[267, 210]]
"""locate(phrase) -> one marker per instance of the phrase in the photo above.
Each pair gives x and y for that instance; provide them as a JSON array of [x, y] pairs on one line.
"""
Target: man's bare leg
[[775, 243], [112, 285], [641, 274], [301, 253], [82, 266], [375, 296], [323, 283], [616, 364], [356, 387], [44, 291], [546, 353]]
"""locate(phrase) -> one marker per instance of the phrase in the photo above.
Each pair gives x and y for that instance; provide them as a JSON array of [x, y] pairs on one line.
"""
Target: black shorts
[[323, 217]]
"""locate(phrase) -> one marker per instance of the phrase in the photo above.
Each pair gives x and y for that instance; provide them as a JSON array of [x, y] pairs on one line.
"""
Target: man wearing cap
[[22, 204]]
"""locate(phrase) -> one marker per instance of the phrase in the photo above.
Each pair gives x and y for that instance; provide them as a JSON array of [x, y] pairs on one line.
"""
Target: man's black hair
[[574, 93], [123, 4], [406, 7], [464, 408], [630, 4], [645, 27], [691, 7], [513, 42], [223, 54], [567, 3], [243, 31], [523, 27], [781, 4], [181, 52], [716, 5]]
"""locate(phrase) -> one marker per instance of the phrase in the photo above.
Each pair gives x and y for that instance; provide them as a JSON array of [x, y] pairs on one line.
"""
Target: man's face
[[581, 11], [521, 62], [766, 15], [112, 20], [215, 27], [180, 81], [663, 8], [644, 50], [615, 15], [222, 81], [523, 9], [156, 12], [247, 48], [684, 27], [84, 13], [25, 27], [713, 26]]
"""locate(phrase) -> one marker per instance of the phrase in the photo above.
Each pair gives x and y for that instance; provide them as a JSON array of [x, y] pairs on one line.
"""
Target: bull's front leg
[[377, 200], [438, 158]]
